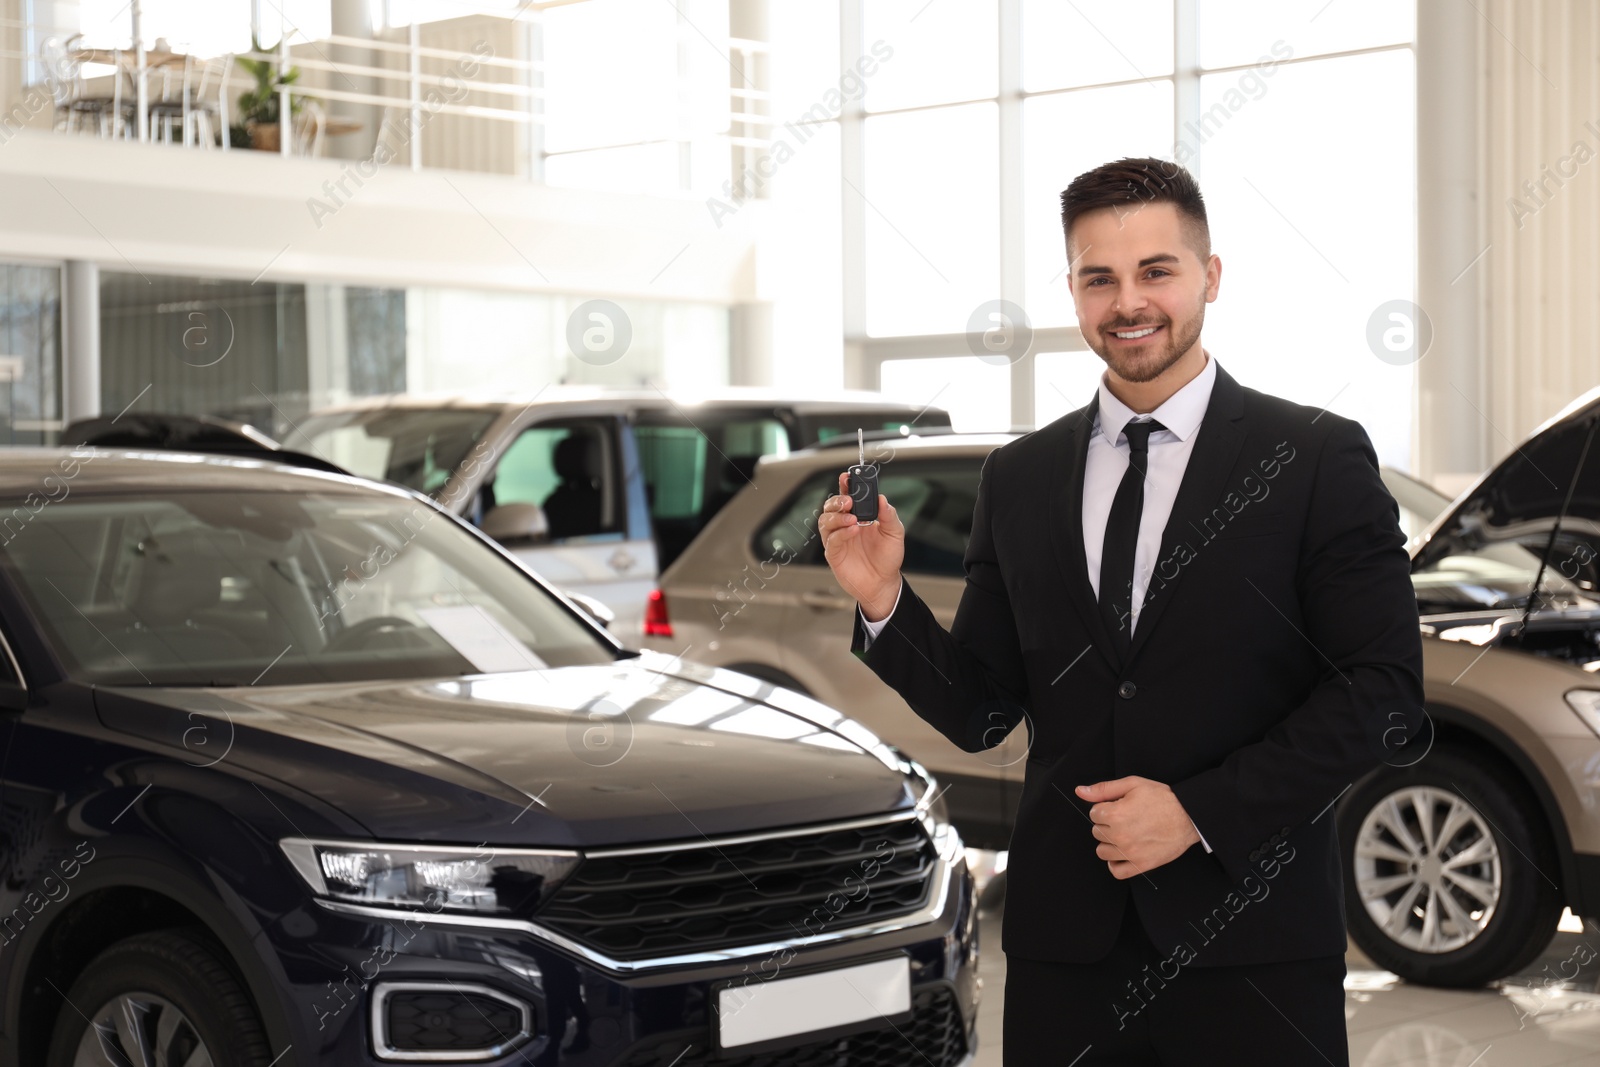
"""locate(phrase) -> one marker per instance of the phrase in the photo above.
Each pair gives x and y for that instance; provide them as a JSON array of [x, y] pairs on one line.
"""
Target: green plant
[[259, 105]]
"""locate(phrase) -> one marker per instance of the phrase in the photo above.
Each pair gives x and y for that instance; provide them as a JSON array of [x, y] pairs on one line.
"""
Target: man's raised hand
[[865, 559]]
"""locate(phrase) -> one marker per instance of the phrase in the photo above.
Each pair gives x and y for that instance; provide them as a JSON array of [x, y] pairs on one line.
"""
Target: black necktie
[[1122, 537]]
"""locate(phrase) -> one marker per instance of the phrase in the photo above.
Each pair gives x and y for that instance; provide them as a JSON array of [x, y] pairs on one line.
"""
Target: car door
[[934, 497], [579, 471]]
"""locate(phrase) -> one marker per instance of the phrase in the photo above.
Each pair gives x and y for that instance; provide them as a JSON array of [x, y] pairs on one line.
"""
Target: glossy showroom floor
[[1535, 1019]]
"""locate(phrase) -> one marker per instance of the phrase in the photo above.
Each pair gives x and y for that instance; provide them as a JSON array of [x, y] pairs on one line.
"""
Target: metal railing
[[512, 94]]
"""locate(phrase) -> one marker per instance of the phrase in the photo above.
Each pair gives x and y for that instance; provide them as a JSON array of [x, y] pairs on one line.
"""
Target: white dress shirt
[[1103, 469]]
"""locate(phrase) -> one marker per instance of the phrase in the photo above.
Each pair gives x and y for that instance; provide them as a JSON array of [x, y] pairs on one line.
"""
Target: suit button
[[1126, 690]]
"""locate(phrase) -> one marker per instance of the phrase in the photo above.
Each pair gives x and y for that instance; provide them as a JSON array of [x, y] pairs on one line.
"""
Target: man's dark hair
[[1139, 181]]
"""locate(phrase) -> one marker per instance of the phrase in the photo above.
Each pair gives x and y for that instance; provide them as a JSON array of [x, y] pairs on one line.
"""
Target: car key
[[863, 483]]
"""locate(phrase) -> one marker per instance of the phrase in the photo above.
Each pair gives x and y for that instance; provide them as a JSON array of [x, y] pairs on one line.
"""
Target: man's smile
[[1135, 334]]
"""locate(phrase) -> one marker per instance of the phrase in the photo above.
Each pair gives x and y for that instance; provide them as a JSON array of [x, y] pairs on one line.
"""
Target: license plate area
[[754, 1015]]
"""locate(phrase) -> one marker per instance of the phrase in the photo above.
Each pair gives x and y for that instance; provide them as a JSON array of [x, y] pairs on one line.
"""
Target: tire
[[159, 974], [1490, 906]]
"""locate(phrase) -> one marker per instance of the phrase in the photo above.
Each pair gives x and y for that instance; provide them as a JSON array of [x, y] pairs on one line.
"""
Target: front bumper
[[343, 962]]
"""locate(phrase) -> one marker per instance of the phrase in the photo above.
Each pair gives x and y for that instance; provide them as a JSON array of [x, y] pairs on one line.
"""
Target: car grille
[[935, 1037], [650, 904]]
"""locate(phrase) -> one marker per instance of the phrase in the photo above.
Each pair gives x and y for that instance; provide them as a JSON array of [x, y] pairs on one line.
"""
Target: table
[[111, 57]]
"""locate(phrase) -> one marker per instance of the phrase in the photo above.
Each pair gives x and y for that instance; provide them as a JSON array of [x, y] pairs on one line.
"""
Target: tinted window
[[228, 588], [569, 470], [934, 499], [692, 469]]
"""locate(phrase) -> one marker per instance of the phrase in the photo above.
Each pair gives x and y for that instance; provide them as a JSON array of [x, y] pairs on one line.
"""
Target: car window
[[691, 470], [934, 498], [229, 587], [569, 469], [417, 448]]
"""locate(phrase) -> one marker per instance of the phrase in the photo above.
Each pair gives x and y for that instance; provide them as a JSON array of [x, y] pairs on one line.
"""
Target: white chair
[[198, 108], [113, 113], [308, 128]]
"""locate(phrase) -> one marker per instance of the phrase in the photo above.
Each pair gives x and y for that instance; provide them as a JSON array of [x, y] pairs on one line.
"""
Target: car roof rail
[[848, 440], [189, 433]]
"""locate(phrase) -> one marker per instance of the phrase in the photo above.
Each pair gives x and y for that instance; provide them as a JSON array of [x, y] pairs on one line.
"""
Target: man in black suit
[[1197, 596]]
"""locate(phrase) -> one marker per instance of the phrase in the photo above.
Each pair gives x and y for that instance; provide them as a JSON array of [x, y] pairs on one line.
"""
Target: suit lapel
[[1066, 526], [1216, 449]]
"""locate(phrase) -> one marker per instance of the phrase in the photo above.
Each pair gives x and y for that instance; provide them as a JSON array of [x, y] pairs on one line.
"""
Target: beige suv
[[753, 592], [1459, 851]]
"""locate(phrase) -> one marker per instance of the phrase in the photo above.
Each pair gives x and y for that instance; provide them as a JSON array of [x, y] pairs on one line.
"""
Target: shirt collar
[[1180, 413]]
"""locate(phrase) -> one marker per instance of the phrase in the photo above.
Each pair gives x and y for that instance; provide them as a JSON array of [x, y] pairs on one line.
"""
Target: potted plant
[[259, 125]]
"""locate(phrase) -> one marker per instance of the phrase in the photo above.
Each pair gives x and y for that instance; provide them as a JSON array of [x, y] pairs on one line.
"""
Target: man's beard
[[1151, 363]]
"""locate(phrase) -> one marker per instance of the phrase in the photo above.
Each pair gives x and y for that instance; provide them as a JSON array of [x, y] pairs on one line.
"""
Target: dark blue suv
[[298, 768]]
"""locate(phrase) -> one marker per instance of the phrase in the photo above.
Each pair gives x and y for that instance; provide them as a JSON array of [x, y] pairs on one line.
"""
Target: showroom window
[[1297, 117], [270, 352], [203, 346], [30, 353]]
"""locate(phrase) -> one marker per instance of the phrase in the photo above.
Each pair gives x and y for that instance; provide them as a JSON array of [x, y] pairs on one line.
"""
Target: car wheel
[[1448, 871], [162, 998]]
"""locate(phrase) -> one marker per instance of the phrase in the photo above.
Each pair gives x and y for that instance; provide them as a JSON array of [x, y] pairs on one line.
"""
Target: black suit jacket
[[1276, 660]]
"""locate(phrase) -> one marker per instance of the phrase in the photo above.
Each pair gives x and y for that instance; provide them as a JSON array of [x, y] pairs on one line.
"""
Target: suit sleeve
[[968, 681], [1358, 610]]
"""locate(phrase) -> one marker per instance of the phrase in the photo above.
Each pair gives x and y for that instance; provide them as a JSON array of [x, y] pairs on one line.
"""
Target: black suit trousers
[[1139, 1006]]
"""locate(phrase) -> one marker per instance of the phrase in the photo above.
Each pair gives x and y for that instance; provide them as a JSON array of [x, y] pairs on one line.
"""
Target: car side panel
[[87, 813]]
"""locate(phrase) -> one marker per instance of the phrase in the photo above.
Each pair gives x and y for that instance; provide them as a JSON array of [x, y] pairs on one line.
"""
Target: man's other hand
[[1139, 823]]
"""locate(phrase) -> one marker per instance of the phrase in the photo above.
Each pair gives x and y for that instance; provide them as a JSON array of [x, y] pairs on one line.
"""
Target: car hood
[[1553, 474], [638, 750]]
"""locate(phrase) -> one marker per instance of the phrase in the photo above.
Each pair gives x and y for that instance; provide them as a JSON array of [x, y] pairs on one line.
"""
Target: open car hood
[[1553, 475]]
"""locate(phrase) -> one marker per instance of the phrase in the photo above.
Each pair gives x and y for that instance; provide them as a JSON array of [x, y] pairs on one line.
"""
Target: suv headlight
[[1586, 702], [458, 879]]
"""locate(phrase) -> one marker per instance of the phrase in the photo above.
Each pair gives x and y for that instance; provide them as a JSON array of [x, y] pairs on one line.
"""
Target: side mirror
[[13, 697], [516, 524], [592, 608]]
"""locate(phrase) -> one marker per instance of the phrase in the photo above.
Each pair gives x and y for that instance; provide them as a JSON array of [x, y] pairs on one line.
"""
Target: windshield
[[236, 588], [419, 448]]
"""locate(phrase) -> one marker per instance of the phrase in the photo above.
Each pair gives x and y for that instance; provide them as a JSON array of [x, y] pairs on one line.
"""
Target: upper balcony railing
[[463, 94]]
